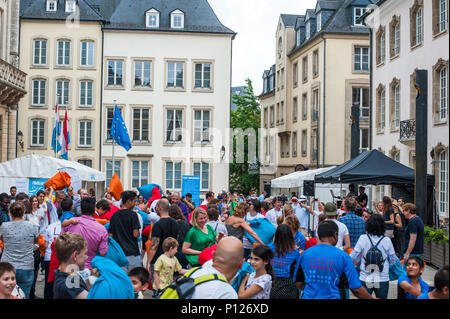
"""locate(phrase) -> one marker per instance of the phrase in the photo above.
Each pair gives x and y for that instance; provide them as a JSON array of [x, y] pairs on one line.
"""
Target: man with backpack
[[212, 280], [375, 253]]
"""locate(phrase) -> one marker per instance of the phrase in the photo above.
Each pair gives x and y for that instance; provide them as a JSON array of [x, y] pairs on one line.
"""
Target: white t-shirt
[[41, 213], [272, 215], [215, 289], [343, 230], [52, 232], [141, 222], [264, 281], [248, 217], [387, 250], [316, 219]]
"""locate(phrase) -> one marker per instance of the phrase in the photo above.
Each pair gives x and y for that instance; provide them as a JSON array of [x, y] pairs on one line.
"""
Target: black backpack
[[374, 257]]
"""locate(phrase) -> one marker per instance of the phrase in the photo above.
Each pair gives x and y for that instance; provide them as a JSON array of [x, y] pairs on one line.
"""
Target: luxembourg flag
[[64, 139], [56, 146]]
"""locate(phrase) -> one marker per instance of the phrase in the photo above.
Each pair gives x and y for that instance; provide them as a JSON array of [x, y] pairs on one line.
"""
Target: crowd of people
[[229, 246]]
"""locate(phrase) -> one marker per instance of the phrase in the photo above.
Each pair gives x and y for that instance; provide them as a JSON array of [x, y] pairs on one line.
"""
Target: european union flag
[[119, 130]]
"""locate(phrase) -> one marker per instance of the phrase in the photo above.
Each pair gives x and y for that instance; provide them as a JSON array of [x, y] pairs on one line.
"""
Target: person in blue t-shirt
[[285, 264], [411, 285], [440, 290], [324, 266], [68, 213]]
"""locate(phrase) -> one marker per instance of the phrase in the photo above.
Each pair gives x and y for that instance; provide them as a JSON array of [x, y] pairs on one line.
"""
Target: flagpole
[[57, 136], [113, 166]]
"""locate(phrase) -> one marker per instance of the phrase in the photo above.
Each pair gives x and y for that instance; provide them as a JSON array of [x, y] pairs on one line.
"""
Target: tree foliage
[[246, 116]]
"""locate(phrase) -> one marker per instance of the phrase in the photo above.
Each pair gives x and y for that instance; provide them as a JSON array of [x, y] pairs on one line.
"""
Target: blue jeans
[[24, 279], [380, 292]]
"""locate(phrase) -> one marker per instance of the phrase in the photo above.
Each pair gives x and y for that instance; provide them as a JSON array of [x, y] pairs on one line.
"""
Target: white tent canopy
[[296, 179], [284, 185], [41, 166]]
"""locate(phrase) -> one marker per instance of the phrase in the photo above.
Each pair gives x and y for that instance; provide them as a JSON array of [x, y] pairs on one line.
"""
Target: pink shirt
[[95, 234]]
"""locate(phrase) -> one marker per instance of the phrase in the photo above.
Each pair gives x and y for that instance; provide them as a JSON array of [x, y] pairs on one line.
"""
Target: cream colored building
[[61, 51], [12, 80], [167, 65], [322, 69]]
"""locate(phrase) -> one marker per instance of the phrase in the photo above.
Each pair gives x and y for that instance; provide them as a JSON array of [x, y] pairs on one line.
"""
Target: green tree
[[244, 119]]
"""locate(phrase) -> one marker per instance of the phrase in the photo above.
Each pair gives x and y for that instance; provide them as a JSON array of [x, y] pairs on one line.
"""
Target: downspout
[[18, 66], [370, 87], [230, 139], [101, 103], [324, 98]]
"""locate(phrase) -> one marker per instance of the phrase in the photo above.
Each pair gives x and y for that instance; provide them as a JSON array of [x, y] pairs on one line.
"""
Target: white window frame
[[42, 85], [383, 47], [319, 22], [142, 179], [361, 149], [419, 26], [298, 37], [42, 52], [109, 170], [71, 6], [63, 96], [86, 127], [396, 114], [174, 16], [174, 75], [40, 129], [443, 7], [173, 181], [382, 109], [142, 75], [397, 39], [443, 96], [357, 15], [152, 14], [141, 129], [89, 47], [308, 30], [316, 115], [362, 107], [66, 47], [202, 78], [86, 91], [201, 174], [49, 5], [443, 182], [360, 61], [115, 63], [200, 128], [176, 131]]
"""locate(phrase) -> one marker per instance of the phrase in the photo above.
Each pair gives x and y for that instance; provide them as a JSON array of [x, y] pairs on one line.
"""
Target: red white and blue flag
[[65, 139]]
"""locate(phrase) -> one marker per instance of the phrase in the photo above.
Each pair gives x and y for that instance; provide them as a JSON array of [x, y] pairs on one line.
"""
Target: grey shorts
[[133, 262]]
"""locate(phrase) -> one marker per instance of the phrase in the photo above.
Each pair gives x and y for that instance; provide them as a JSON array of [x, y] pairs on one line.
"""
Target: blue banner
[[35, 185], [191, 184]]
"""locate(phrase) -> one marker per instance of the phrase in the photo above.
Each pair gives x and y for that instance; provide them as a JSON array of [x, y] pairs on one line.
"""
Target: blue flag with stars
[[119, 130]]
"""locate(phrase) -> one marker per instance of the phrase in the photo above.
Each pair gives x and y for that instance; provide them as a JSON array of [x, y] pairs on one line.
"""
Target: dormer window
[[70, 6], [357, 13], [308, 30], [177, 19], [298, 37], [52, 5], [152, 18], [319, 22]]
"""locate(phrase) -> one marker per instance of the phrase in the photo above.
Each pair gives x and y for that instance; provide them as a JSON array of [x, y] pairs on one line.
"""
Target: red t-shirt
[[111, 212]]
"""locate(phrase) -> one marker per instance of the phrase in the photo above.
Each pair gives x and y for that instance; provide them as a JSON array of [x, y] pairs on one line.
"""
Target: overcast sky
[[255, 22]]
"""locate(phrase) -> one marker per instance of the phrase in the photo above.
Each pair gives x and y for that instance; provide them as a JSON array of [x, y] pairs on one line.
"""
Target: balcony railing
[[408, 130], [12, 84]]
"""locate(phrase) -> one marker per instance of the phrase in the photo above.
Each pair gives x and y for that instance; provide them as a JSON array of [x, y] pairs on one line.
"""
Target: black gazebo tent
[[375, 168]]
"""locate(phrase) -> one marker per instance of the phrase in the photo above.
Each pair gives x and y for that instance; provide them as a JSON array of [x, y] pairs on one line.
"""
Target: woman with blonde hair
[[236, 224], [287, 211], [294, 224], [199, 237]]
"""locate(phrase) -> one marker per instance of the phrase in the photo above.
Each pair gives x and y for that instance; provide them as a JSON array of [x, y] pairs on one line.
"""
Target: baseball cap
[[302, 198], [294, 199], [330, 209]]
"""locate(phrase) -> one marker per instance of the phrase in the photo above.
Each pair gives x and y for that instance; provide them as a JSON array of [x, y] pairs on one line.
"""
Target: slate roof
[[37, 9], [199, 16], [327, 5], [339, 22], [289, 20]]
